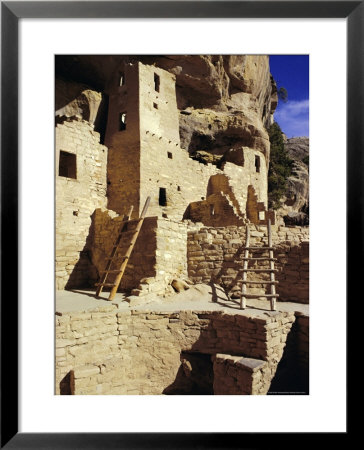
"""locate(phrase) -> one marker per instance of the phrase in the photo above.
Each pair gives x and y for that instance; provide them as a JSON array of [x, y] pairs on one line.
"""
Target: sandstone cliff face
[[76, 100], [296, 202], [225, 101]]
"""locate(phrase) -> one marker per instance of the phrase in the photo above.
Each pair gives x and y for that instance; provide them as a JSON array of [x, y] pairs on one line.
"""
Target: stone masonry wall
[[123, 166], [76, 199], [216, 211], [139, 352], [214, 254], [142, 263], [159, 255], [243, 176], [165, 165]]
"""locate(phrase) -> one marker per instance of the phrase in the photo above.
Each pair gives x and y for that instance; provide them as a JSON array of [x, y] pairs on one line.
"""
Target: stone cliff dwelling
[[190, 133]]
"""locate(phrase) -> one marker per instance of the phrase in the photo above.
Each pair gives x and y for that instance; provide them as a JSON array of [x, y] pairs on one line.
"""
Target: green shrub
[[280, 167], [306, 160]]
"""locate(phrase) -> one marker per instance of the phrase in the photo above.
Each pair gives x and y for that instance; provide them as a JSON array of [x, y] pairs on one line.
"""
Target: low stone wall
[[108, 351], [234, 375], [215, 255]]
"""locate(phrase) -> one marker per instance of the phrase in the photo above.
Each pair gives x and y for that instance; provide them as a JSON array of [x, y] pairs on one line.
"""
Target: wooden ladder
[[271, 270], [124, 261]]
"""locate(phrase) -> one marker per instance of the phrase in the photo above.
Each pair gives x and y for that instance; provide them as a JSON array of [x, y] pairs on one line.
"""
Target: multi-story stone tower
[[145, 157], [142, 132]]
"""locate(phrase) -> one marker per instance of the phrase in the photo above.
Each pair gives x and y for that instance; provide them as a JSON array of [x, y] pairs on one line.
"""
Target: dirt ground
[[199, 297]]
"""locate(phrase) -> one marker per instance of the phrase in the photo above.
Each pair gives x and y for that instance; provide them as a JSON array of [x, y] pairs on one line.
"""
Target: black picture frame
[[11, 12]]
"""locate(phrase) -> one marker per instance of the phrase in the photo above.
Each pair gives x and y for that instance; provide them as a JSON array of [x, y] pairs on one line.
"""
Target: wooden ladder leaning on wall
[[271, 270], [125, 259]]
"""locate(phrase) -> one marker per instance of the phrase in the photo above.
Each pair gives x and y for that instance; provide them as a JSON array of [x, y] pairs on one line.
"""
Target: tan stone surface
[[76, 201], [214, 254], [138, 351], [140, 343]]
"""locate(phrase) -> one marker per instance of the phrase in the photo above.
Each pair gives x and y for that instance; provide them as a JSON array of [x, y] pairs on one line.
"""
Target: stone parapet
[[139, 352]]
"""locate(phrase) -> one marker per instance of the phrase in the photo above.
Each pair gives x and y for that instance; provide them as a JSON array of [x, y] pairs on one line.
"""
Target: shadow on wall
[[194, 376], [293, 273], [84, 274], [101, 118], [221, 183], [223, 276], [186, 214], [67, 384], [70, 99], [220, 142], [291, 377]]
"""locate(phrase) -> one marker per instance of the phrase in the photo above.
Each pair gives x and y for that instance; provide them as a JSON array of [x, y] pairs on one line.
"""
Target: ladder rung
[[258, 248], [259, 282], [259, 259], [125, 222], [116, 257], [259, 270], [134, 233], [110, 271], [260, 295]]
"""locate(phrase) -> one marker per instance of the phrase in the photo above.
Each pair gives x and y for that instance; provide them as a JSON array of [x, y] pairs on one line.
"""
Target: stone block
[[86, 371]]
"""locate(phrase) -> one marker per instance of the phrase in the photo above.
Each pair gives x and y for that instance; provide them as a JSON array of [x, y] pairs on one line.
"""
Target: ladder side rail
[[271, 265], [129, 251], [245, 267], [106, 272]]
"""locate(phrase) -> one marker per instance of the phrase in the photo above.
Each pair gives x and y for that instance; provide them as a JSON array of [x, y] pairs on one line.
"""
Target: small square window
[[67, 165], [261, 215], [170, 156], [122, 121], [155, 105]]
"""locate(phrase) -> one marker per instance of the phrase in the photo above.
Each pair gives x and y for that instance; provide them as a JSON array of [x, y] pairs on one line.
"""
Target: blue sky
[[292, 72]]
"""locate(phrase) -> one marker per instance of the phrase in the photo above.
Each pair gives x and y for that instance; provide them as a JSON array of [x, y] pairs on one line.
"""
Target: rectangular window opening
[[170, 156], [67, 165], [257, 163], [178, 188], [122, 121], [162, 196], [155, 106], [261, 215], [121, 79], [156, 82]]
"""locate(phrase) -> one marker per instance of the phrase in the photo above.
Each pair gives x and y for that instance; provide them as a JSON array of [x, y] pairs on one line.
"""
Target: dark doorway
[[162, 196], [257, 163], [156, 82]]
